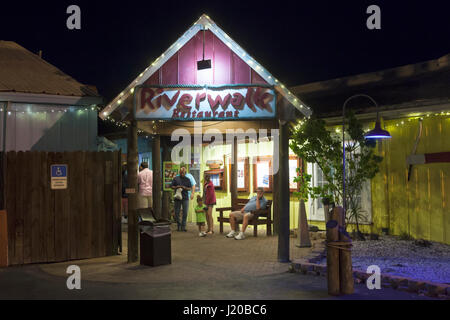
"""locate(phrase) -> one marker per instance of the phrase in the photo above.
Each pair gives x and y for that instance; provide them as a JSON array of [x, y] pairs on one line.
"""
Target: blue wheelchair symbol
[[59, 171]]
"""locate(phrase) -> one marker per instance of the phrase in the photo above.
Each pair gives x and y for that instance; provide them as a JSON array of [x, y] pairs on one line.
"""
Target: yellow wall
[[419, 207]]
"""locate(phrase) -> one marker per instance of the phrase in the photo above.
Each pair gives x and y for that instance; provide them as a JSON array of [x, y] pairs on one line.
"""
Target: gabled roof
[[22, 71], [205, 23]]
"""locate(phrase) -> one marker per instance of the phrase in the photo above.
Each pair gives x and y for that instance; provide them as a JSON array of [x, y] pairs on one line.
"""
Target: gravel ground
[[404, 258]]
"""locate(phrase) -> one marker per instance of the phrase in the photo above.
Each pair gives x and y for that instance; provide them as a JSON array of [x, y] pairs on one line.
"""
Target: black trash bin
[[155, 243]]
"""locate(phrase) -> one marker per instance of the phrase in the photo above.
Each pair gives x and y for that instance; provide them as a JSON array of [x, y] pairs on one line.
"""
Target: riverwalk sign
[[198, 103]]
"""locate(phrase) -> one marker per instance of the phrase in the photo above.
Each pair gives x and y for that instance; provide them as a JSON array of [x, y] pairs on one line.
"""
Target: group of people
[[184, 186]]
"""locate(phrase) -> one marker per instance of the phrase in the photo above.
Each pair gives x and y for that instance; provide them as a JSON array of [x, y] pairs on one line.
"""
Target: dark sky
[[297, 41]]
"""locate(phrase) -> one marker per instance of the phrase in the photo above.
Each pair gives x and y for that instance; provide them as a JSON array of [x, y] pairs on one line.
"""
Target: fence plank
[[20, 199], [44, 196], [11, 181], [34, 164], [75, 191], [84, 218], [108, 201], [2, 180], [27, 206], [50, 230], [61, 217], [89, 201], [117, 202], [99, 212]]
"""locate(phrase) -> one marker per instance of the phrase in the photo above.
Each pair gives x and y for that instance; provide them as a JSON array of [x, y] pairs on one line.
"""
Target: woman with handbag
[[210, 202]]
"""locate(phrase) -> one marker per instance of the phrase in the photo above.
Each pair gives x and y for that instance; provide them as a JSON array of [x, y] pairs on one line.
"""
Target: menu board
[[263, 171], [241, 174], [171, 170]]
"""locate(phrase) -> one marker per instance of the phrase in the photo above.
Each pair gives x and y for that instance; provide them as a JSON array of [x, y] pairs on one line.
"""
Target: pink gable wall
[[227, 67]]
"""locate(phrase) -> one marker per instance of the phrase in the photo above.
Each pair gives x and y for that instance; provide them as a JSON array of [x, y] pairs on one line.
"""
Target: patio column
[[165, 214], [132, 168], [156, 190], [282, 194], [233, 176]]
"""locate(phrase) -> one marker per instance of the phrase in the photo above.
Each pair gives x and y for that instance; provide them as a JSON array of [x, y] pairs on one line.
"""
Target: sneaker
[[202, 234], [231, 234], [240, 236]]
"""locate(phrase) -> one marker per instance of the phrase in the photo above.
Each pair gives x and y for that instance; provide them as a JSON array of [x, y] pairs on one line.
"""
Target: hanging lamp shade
[[204, 64], [377, 132]]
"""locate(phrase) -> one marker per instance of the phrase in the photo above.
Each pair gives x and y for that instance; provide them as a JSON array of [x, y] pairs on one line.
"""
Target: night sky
[[298, 41]]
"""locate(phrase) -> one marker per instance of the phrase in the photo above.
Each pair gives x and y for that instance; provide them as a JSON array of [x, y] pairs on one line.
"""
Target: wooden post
[[233, 173], [275, 206], [165, 210], [303, 240], [157, 176], [283, 193], [326, 212], [345, 256], [132, 168], [3, 239], [3, 158], [333, 255]]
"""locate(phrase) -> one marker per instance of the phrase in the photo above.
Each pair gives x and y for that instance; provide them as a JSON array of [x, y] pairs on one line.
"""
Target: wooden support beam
[[3, 239], [157, 176], [333, 254], [283, 193], [132, 168], [165, 209], [345, 256], [233, 173]]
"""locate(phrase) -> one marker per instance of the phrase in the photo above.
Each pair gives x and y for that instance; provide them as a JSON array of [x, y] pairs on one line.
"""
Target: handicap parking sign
[[58, 176]]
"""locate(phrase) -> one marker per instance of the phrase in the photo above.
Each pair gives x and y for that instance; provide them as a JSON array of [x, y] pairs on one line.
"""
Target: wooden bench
[[261, 216]]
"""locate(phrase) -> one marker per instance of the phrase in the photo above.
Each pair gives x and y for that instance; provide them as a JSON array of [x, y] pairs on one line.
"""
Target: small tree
[[314, 143]]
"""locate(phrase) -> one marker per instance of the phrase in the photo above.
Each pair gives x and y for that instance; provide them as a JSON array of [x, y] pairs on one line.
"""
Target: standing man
[[255, 203], [145, 182], [184, 184], [193, 183]]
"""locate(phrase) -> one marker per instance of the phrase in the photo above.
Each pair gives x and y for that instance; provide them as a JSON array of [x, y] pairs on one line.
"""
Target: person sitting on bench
[[244, 215]]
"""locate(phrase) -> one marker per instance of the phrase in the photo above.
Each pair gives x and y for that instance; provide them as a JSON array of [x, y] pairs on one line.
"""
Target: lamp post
[[376, 133]]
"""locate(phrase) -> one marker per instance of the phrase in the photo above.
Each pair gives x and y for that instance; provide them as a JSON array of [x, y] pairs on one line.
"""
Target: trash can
[[155, 243]]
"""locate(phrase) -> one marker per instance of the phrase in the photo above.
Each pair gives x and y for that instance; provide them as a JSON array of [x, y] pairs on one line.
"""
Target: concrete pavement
[[202, 268]]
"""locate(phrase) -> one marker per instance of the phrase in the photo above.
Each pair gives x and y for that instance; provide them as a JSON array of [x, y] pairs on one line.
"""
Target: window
[[218, 178], [294, 163], [243, 174], [262, 173]]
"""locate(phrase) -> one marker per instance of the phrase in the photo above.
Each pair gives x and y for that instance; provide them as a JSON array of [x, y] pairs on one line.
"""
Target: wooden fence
[[82, 221]]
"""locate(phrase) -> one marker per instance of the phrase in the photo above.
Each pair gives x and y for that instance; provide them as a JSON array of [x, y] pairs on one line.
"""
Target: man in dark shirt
[[181, 182]]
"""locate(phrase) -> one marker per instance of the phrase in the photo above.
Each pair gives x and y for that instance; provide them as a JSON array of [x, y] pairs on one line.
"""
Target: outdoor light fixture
[[376, 133], [204, 64]]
